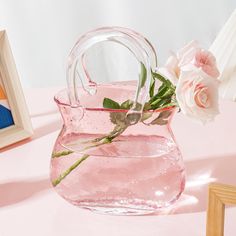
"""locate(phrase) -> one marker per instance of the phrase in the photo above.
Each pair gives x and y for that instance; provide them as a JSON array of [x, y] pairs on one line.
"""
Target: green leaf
[[158, 121], [138, 106], [164, 114], [146, 115], [147, 106], [162, 79], [170, 104], [160, 103], [168, 94], [155, 102], [110, 104], [152, 87], [162, 89], [143, 75], [118, 118], [162, 118], [127, 104]]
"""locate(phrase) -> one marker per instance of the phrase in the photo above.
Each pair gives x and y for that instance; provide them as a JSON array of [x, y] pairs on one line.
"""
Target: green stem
[[110, 135], [104, 141], [107, 139], [162, 99], [55, 182], [59, 154]]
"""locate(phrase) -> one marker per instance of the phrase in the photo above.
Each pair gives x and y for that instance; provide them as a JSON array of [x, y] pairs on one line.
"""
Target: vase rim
[[62, 102]]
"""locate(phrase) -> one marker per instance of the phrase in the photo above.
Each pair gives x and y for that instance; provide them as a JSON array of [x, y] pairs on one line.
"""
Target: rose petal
[[190, 95]]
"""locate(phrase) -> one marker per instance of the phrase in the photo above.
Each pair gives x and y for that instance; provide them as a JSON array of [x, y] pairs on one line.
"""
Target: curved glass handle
[[137, 44]]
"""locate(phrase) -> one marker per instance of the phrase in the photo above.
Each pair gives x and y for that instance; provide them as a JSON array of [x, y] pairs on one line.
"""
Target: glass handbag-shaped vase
[[115, 157]]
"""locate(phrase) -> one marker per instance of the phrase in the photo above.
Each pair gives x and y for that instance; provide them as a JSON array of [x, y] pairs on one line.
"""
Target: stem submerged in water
[[104, 140], [59, 154], [67, 172], [164, 97]]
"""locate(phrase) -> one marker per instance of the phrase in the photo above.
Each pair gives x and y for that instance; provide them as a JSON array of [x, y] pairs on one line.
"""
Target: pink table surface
[[29, 206]]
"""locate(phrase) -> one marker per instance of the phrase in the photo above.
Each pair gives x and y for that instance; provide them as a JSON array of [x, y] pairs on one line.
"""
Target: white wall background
[[42, 32]]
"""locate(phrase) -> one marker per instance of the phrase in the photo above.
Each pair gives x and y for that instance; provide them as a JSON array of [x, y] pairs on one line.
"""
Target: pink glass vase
[[141, 170]]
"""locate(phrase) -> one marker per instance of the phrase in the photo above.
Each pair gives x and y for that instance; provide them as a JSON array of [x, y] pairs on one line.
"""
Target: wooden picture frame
[[21, 127], [219, 196]]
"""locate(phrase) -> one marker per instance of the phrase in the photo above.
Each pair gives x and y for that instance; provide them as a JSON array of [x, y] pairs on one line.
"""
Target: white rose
[[197, 95], [191, 56], [171, 69]]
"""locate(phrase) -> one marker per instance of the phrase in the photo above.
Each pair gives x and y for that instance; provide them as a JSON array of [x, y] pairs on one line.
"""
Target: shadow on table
[[14, 192], [199, 174]]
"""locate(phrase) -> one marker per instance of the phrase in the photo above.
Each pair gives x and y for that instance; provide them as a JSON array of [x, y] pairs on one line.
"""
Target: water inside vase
[[135, 174]]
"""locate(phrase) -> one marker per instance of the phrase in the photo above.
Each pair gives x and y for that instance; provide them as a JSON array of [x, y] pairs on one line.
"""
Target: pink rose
[[197, 95], [171, 69], [189, 57]]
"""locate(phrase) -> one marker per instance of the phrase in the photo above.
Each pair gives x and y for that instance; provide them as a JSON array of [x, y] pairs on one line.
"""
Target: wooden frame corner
[[219, 195]]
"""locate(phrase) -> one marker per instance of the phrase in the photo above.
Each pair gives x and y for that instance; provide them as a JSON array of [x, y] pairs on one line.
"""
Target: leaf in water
[[118, 118], [110, 104], [162, 118], [146, 115], [158, 121], [133, 118], [138, 106], [164, 114]]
